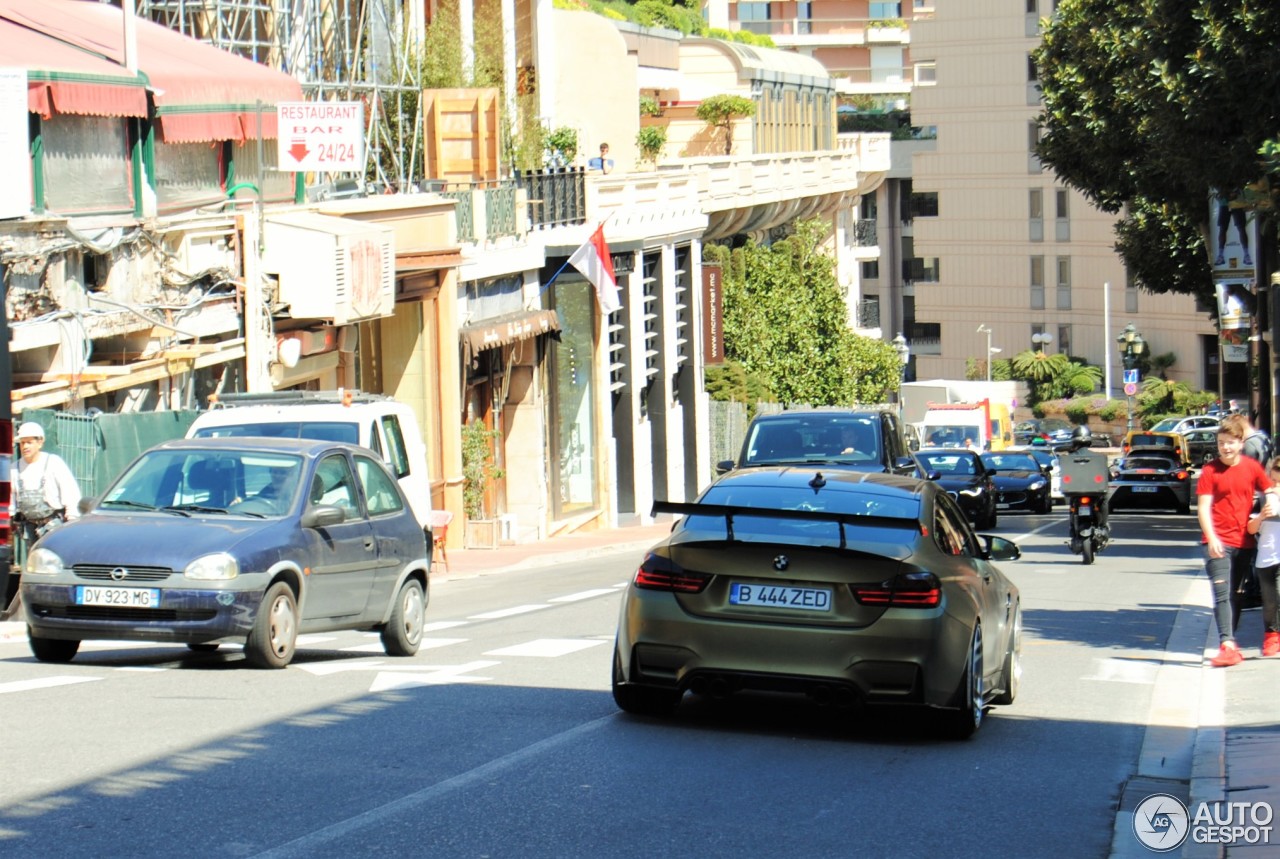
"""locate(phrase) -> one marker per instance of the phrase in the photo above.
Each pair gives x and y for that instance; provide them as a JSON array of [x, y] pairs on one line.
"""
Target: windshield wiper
[[194, 508], [124, 502]]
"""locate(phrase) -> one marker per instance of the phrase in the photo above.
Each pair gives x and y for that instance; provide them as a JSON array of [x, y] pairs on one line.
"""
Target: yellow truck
[[982, 425]]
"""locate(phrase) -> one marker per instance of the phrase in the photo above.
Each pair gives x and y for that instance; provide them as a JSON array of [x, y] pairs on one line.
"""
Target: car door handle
[[368, 543]]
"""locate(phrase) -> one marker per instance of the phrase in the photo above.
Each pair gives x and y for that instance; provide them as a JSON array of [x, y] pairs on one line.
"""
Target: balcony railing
[[557, 196], [820, 26]]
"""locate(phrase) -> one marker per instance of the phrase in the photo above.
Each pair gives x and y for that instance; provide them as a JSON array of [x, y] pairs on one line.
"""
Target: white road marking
[[583, 595], [443, 624], [42, 683], [507, 612], [544, 647], [322, 669], [437, 676], [412, 804], [1124, 671]]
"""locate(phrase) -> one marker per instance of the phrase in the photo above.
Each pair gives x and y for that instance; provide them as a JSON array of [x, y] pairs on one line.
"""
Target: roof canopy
[[201, 93]]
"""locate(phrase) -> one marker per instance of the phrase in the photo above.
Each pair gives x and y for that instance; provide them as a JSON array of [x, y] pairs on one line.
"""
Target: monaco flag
[[593, 260]]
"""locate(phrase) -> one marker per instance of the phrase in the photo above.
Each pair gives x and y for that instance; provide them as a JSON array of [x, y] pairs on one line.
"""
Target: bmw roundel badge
[[781, 562]]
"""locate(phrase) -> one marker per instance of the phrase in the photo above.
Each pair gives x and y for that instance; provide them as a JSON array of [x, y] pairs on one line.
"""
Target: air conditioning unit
[[331, 268]]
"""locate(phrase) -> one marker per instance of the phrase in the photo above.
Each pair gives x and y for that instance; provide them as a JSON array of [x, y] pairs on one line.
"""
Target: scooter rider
[[1082, 439]]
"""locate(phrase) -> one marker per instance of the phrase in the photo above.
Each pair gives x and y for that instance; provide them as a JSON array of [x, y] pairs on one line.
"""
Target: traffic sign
[[1131, 376], [321, 136], [1130, 389]]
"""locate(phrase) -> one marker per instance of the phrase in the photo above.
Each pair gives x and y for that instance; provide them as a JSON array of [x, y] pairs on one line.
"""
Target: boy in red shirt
[[1225, 494]]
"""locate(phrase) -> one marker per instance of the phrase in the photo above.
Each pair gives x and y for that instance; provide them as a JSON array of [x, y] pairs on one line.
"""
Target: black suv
[[839, 438]]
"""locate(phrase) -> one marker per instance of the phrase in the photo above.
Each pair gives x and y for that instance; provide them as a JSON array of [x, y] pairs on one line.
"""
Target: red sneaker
[[1271, 644], [1228, 655]]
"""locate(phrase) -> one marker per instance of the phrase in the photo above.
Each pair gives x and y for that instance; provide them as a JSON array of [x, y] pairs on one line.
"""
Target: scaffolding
[[339, 50]]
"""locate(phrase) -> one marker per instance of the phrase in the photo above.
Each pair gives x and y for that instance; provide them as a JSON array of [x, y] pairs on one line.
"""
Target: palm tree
[[1039, 367], [1163, 396], [1159, 364]]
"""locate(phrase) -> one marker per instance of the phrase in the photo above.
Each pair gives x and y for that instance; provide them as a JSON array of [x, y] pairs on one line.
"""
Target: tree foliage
[[719, 111], [786, 322], [1149, 105]]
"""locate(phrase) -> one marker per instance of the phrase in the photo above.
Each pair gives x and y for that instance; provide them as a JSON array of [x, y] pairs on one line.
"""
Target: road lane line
[[584, 595], [42, 683], [508, 612], [309, 845], [544, 647]]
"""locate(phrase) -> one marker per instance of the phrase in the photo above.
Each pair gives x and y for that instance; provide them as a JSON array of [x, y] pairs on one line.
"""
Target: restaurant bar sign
[[712, 315]]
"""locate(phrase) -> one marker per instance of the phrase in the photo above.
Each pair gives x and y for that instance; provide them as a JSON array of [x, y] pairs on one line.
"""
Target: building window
[[1033, 140], [1064, 339], [1131, 297], [1062, 225], [1064, 288], [1033, 7], [926, 73], [1037, 329], [871, 269], [1037, 283], [754, 17], [804, 18], [1035, 207], [1032, 74], [881, 11], [924, 204]]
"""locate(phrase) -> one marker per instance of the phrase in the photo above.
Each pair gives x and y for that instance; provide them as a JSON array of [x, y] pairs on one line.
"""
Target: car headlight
[[1037, 486], [972, 491], [216, 567], [42, 562]]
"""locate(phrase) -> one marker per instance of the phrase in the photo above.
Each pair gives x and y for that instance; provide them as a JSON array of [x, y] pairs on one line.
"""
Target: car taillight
[[1182, 475], [905, 590], [662, 574]]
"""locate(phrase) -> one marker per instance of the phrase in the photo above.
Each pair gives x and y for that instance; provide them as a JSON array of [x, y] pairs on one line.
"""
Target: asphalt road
[[501, 739]]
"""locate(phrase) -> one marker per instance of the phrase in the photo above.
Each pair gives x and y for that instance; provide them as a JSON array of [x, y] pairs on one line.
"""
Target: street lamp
[[983, 329], [904, 356], [1131, 346], [1041, 340]]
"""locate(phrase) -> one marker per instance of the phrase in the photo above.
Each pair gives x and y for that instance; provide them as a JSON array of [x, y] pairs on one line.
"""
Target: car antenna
[[818, 481]]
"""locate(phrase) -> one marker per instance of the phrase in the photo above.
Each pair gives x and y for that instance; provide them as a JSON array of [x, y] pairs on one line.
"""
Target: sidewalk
[[467, 563]]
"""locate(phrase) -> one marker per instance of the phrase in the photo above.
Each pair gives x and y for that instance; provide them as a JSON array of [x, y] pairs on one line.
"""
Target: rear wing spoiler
[[729, 511]]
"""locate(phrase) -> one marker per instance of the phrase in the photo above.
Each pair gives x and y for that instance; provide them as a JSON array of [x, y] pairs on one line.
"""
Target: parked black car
[[868, 440], [966, 478], [1150, 479], [1021, 482], [1054, 432]]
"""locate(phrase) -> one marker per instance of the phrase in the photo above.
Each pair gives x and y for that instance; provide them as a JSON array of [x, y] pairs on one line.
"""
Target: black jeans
[[1267, 584], [1225, 575]]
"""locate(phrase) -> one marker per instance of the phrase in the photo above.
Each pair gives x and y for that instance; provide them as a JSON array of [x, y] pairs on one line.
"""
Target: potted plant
[[650, 140], [481, 530], [563, 143]]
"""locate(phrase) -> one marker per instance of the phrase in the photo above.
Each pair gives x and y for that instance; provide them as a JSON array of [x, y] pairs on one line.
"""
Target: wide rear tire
[[403, 633], [275, 630], [1011, 674], [1086, 550], [52, 649], [963, 722], [639, 700]]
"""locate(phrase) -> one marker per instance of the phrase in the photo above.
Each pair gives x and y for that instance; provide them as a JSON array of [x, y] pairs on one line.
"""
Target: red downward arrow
[[299, 150]]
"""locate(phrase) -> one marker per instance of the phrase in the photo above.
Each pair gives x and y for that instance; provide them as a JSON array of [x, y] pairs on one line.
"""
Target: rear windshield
[[766, 528], [320, 430], [838, 438]]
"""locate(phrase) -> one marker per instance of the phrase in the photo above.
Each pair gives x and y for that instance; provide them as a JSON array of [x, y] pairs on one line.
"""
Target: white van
[[375, 421]]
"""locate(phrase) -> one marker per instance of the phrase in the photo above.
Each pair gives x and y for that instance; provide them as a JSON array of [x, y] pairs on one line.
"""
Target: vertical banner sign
[[320, 136], [1235, 318], [15, 148], [712, 315]]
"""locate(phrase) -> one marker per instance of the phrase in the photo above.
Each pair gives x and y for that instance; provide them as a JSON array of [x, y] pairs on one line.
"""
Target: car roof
[[792, 414], [949, 451], [838, 479], [300, 411]]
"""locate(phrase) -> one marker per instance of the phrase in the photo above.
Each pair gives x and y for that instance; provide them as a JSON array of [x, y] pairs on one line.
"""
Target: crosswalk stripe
[[507, 612], [42, 683]]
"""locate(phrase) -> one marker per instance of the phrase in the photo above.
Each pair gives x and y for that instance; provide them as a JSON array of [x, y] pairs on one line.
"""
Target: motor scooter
[[1085, 476]]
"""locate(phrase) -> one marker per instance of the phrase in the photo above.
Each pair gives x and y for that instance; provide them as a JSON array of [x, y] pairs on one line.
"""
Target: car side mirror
[[86, 505], [1000, 549], [724, 466], [322, 516]]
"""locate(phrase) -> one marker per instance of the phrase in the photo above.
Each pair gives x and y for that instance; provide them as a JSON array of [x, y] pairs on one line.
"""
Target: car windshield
[[1010, 461], [949, 463], [896, 524], [1167, 425], [820, 437], [319, 430], [208, 481]]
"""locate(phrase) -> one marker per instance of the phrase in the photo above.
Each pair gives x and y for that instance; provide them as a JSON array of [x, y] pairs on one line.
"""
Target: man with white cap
[[45, 491]]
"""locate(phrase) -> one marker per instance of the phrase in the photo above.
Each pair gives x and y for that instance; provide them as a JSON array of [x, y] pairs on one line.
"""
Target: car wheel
[[403, 632], [1046, 506], [1011, 675], [275, 629], [52, 649], [965, 721], [203, 647], [1184, 509], [993, 516], [639, 700]]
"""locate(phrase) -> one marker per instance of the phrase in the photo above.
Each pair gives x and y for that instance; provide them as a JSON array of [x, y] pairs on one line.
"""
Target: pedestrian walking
[[1266, 565], [45, 490], [1224, 502]]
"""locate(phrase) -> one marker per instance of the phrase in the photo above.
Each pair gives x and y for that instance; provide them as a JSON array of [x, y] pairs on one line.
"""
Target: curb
[[548, 559]]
